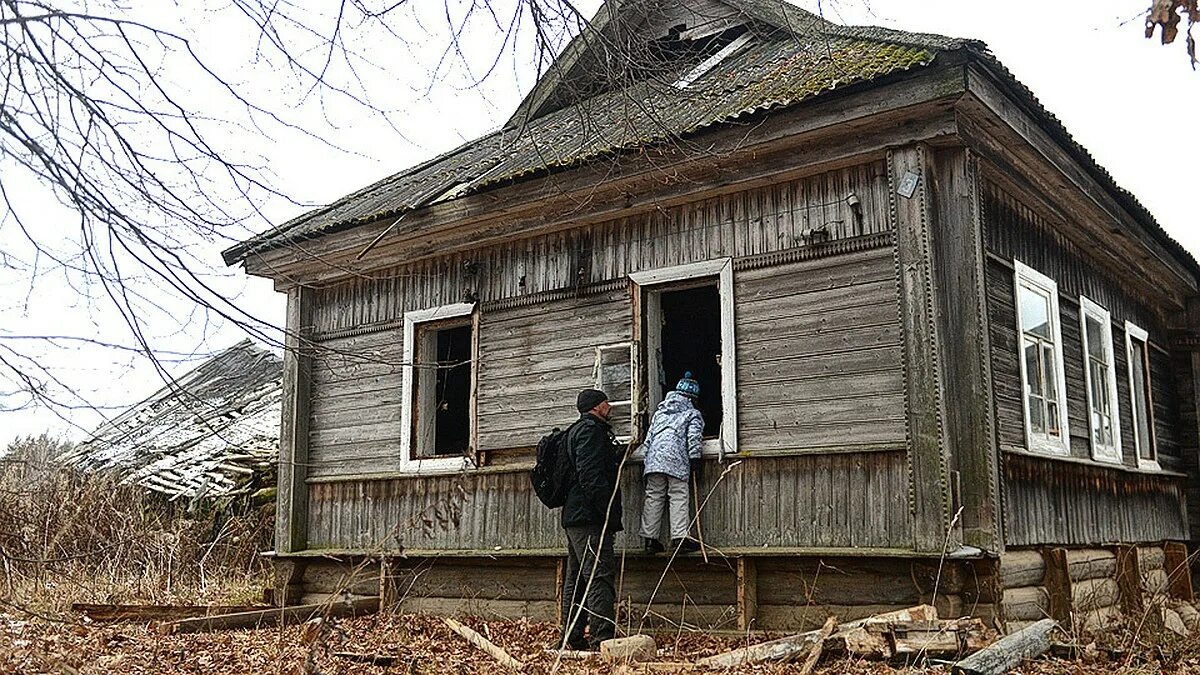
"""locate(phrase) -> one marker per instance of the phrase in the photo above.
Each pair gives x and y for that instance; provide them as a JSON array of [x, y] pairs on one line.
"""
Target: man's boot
[[653, 546], [685, 545]]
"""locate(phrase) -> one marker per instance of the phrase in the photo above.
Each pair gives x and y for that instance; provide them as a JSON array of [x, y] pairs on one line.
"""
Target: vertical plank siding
[[819, 354], [1046, 501], [824, 501]]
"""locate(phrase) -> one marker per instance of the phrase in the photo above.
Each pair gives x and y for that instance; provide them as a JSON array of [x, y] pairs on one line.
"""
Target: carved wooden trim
[[814, 251]]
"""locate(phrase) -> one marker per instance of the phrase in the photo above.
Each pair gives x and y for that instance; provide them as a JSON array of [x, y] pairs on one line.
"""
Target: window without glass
[[443, 389], [1101, 380], [436, 415], [1136, 342], [1041, 361]]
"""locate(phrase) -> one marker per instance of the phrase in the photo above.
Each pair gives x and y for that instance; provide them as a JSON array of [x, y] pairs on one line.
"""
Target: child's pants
[[661, 489]]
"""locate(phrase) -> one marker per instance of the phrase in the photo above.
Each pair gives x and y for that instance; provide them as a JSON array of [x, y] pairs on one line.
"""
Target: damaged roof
[[790, 56], [206, 434], [787, 56]]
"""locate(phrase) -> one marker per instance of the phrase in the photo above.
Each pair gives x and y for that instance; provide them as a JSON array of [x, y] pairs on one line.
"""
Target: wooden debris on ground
[[794, 646], [886, 640], [911, 633], [1008, 652], [485, 645], [814, 655], [276, 616], [147, 613]]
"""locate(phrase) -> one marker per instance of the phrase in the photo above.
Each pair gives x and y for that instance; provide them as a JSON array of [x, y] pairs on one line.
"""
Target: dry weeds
[[67, 536]]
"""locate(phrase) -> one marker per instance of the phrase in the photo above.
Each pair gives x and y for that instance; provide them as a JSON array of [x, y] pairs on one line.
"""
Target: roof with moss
[[785, 56]]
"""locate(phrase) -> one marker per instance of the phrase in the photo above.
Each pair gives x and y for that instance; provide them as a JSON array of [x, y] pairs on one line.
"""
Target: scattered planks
[[485, 645], [276, 616], [815, 654], [1008, 652], [795, 646]]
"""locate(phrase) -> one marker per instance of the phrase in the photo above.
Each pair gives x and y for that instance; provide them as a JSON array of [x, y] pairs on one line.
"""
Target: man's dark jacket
[[596, 457]]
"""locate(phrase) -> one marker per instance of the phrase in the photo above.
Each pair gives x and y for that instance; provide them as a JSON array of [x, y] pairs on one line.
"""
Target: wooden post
[[929, 485], [964, 342], [747, 593], [1058, 585], [1129, 579], [560, 573], [1179, 570], [289, 582], [389, 597], [291, 520]]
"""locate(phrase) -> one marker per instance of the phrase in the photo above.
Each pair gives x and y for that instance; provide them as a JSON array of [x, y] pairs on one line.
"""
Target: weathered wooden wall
[[819, 354], [357, 323], [1054, 502], [1050, 501], [829, 501], [1015, 231], [534, 357]]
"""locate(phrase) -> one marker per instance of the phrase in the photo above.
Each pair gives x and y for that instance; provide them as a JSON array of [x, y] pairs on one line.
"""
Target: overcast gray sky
[[1130, 101]]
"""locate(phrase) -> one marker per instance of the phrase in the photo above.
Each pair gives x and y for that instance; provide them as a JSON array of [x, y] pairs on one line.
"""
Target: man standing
[[672, 446], [591, 516]]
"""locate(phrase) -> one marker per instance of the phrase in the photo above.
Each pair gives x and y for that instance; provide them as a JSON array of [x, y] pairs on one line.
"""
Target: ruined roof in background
[[206, 434]]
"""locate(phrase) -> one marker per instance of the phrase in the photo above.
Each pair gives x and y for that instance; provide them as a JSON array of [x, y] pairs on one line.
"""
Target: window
[[688, 326], [437, 419], [1041, 360], [1100, 375], [1138, 348]]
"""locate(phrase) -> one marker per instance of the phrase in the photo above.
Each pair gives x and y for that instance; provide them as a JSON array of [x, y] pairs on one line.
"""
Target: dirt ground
[[425, 645]]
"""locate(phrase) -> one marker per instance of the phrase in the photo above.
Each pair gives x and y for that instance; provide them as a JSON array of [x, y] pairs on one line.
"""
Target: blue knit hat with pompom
[[688, 387]]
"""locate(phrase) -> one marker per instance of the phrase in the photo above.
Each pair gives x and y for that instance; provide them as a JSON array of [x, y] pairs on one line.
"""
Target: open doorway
[[683, 334]]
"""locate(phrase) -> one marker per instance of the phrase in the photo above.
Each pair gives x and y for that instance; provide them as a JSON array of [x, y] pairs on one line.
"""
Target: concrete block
[[632, 648]]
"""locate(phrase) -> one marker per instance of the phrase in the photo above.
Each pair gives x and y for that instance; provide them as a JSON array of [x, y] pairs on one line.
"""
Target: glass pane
[[1095, 339], [1033, 370], [1035, 312], [1037, 415], [1052, 420], [1049, 367], [1141, 411]]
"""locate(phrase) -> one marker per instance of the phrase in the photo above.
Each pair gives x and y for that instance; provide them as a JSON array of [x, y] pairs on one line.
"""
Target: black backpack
[[553, 472]]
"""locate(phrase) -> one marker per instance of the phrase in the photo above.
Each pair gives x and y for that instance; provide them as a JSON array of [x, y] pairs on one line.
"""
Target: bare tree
[[138, 126]]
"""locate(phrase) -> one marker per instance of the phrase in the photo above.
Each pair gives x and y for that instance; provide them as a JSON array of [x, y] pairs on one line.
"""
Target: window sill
[[1141, 470]]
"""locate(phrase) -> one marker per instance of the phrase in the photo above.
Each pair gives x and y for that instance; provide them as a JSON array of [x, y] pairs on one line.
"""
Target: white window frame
[[1027, 276], [1135, 332], [630, 348], [427, 465], [722, 268], [1107, 453]]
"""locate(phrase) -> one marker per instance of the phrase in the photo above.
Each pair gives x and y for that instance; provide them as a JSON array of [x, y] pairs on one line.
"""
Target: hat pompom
[[688, 386]]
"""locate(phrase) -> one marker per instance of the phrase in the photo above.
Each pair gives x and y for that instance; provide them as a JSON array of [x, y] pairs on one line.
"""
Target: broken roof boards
[[203, 435]]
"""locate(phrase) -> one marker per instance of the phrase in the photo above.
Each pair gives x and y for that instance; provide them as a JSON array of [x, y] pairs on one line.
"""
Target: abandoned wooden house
[[944, 356]]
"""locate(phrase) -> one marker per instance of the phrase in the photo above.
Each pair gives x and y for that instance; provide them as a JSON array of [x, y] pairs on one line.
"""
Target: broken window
[[1100, 375], [1137, 345], [443, 388], [687, 324], [437, 416], [1041, 360]]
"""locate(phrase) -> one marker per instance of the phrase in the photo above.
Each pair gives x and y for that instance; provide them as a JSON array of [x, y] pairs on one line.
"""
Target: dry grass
[[67, 536]]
